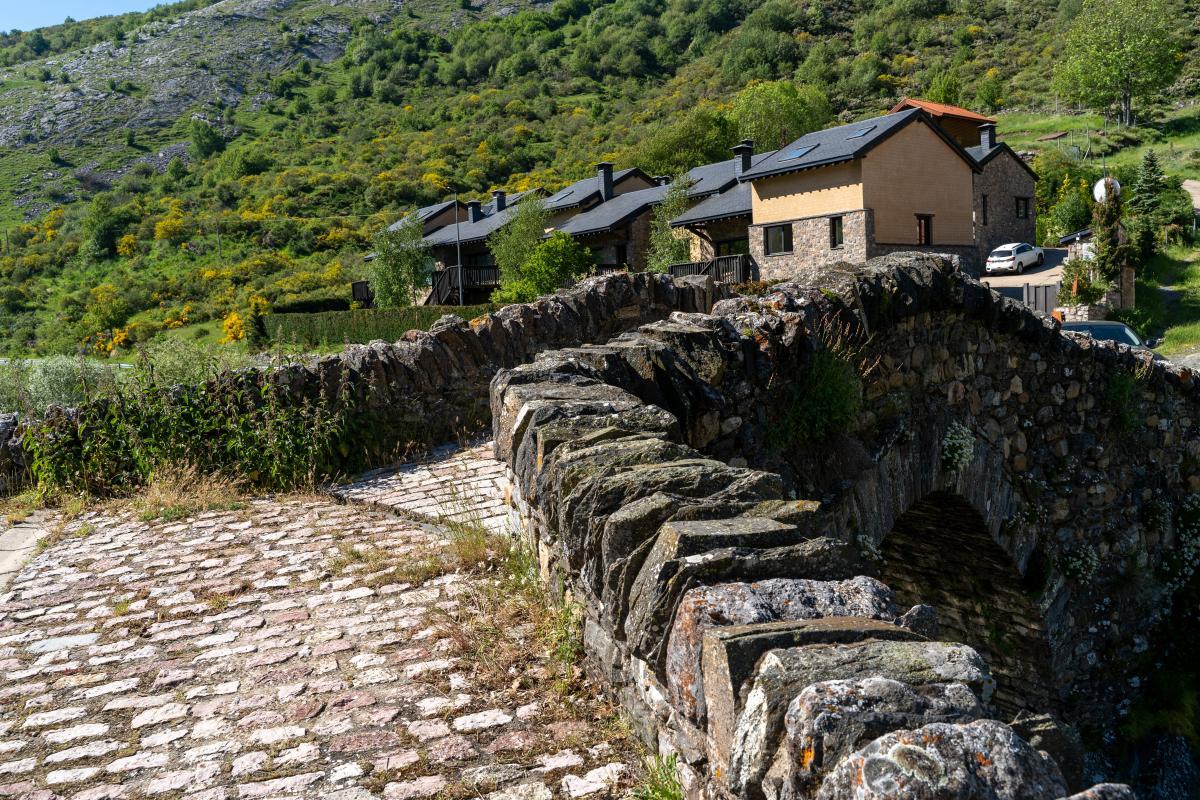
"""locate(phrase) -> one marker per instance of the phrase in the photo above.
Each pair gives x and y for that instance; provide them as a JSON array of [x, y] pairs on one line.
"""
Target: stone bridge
[[890, 536]]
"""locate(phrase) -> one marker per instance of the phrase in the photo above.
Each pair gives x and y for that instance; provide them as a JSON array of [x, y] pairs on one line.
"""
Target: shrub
[[820, 401], [1081, 284], [958, 448], [361, 325]]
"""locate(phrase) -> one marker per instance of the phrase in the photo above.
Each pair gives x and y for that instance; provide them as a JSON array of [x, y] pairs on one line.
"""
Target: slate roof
[[582, 190], [843, 143], [424, 213], [470, 231], [712, 178], [615, 212], [516, 197], [983, 155], [732, 203]]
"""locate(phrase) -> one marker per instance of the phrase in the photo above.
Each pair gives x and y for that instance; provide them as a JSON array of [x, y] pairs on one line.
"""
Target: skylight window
[[861, 132], [799, 152], [563, 195]]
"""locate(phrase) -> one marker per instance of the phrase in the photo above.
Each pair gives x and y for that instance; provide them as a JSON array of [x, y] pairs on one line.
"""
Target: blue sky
[[29, 14]]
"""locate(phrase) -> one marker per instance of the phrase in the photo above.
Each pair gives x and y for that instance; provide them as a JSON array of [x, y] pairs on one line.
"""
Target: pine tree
[[1146, 205], [1111, 253]]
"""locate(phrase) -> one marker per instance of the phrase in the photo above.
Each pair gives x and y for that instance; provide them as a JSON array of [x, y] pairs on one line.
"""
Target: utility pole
[[458, 252]]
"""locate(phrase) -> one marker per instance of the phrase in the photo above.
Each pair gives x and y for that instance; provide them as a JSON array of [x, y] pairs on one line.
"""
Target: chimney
[[604, 176], [744, 150], [987, 136], [500, 199], [662, 180], [474, 212]]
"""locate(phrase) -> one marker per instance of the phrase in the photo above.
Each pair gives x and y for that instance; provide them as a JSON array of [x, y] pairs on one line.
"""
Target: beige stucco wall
[[829, 190], [915, 171]]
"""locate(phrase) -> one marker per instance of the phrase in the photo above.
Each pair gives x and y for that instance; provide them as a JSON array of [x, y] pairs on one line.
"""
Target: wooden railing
[[727, 269], [445, 289]]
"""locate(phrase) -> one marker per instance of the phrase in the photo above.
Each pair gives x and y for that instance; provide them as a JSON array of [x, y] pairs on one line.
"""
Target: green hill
[[252, 147]]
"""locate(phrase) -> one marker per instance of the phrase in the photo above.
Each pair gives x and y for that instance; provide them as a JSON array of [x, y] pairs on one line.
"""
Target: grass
[[178, 492], [661, 781], [1178, 321]]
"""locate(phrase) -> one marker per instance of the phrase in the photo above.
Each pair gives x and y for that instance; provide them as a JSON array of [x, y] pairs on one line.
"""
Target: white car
[[1015, 257]]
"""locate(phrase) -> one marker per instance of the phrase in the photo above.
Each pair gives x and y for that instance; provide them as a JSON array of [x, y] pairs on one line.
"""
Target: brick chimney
[[474, 212], [604, 176], [987, 135], [744, 151], [500, 199]]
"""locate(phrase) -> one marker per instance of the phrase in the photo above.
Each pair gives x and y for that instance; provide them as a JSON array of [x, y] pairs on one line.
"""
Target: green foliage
[[668, 246], [402, 264], [822, 399], [101, 226], [944, 87], [1112, 253], [554, 263], [206, 140], [1118, 53], [699, 136], [661, 781], [512, 244], [332, 328], [32, 386], [775, 113], [1081, 283]]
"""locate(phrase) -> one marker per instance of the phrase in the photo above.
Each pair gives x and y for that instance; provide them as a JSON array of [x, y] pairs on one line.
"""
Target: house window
[[1022, 208], [836, 238], [777, 239], [983, 209], [924, 229]]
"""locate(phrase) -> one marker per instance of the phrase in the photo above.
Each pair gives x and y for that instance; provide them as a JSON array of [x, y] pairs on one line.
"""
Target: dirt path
[[294, 647]]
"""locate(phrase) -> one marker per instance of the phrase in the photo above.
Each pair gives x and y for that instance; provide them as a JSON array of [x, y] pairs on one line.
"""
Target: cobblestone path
[[293, 647]]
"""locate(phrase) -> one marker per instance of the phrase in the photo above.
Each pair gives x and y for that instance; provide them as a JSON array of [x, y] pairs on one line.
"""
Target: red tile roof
[[939, 109]]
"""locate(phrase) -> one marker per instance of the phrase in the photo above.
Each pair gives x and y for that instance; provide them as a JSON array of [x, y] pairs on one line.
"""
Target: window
[[836, 239], [777, 239], [983, 210], [861, 132], [798, 152], [1022, 208], [924, 229]]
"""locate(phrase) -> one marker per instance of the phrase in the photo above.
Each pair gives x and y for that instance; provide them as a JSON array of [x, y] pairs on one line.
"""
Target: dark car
[[1117, 332]]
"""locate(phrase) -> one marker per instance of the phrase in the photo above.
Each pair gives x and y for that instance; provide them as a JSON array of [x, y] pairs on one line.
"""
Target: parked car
[[1015, 257], [1117, 332]]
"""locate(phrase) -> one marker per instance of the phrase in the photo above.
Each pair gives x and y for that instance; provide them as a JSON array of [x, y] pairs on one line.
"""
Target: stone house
[[1004, 202], [719, 225], [854, 192], [960, 124]]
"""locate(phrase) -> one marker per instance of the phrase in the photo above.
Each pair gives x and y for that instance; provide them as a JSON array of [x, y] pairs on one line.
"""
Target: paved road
[[1050, 272], [1193, 188]]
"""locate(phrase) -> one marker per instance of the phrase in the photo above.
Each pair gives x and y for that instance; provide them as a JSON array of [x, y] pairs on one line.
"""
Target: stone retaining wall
[[745, 627], [430, 386]]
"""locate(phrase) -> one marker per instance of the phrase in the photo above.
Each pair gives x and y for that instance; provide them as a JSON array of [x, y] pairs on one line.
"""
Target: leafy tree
[[553, 263], [176, 170], [512, 244], [700, 136], [1072, 212], [989, 93], [1118, 53], [944, 87], [667, 247], [206, 140], [101, 227], [777, 112], [401, 265]]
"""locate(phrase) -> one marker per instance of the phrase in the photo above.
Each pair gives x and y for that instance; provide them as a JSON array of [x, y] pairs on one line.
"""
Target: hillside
[[332, 116]]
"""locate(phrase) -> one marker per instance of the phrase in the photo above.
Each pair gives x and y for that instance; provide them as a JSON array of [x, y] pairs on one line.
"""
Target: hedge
[[361, 325]]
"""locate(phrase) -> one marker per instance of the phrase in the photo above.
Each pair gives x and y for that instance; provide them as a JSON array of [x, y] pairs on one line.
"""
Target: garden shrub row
[[360, 326]]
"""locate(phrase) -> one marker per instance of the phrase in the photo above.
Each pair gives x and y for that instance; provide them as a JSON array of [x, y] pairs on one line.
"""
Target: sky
[[28, 14]]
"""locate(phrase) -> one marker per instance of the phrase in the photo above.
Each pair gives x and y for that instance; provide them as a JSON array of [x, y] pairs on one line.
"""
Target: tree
[[1112, 253], [401, 265], [1146, 204], [101, 226], [206, 140], [555, 261], [667, 247], [513, 243], [700, 136], [1119, 53], [944, 87], [989, 92], [777, 112]]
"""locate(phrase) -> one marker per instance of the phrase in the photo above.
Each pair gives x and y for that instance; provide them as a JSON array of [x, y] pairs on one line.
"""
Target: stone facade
[[811, 254], [1003, 180], [702, 240], [655, 486], [810, 246]]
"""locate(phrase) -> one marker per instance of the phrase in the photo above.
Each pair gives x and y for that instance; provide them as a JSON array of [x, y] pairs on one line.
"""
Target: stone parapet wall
[[431, 386], [746, 627]]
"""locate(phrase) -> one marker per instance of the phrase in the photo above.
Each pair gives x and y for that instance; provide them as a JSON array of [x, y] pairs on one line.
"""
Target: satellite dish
[[1100, 190]]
